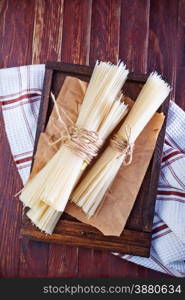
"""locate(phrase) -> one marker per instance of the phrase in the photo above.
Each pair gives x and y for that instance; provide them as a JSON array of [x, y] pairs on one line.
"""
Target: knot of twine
[[83, 142], [124, 146]]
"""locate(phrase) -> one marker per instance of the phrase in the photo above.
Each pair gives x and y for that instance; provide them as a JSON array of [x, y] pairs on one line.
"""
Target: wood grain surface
[[134, 32], [47, 34], [148, 35], [105, 30], [76, 31]]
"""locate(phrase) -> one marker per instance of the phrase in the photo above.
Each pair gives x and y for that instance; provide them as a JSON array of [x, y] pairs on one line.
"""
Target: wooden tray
[[136, 237]]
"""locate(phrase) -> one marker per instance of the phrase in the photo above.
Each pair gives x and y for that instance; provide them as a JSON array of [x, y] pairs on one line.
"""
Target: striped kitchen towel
[[20, 94]]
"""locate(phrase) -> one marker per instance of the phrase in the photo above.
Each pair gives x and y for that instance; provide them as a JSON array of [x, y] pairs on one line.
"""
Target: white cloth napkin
[[20, 94]]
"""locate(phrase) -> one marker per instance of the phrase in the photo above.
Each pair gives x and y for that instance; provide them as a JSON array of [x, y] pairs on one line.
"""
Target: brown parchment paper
[[68, 102], [113, 213]]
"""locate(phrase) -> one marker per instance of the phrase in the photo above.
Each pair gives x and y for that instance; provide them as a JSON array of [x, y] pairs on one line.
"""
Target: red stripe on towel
[[170, 155], [27, 96], [157, 229], [23, 160]]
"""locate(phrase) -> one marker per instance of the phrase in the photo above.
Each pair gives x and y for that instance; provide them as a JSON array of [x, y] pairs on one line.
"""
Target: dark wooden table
[[147, 34]]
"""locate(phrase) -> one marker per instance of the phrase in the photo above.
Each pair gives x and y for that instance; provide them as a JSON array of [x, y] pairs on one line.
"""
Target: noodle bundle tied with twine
[[101, 111], [90, 192]]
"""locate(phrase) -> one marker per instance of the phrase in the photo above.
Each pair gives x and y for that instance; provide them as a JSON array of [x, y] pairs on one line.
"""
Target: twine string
[[82, 142], [60, 119], [124, 146]]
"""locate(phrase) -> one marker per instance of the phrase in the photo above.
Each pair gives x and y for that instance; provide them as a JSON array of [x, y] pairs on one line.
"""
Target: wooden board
[[135, 238]]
